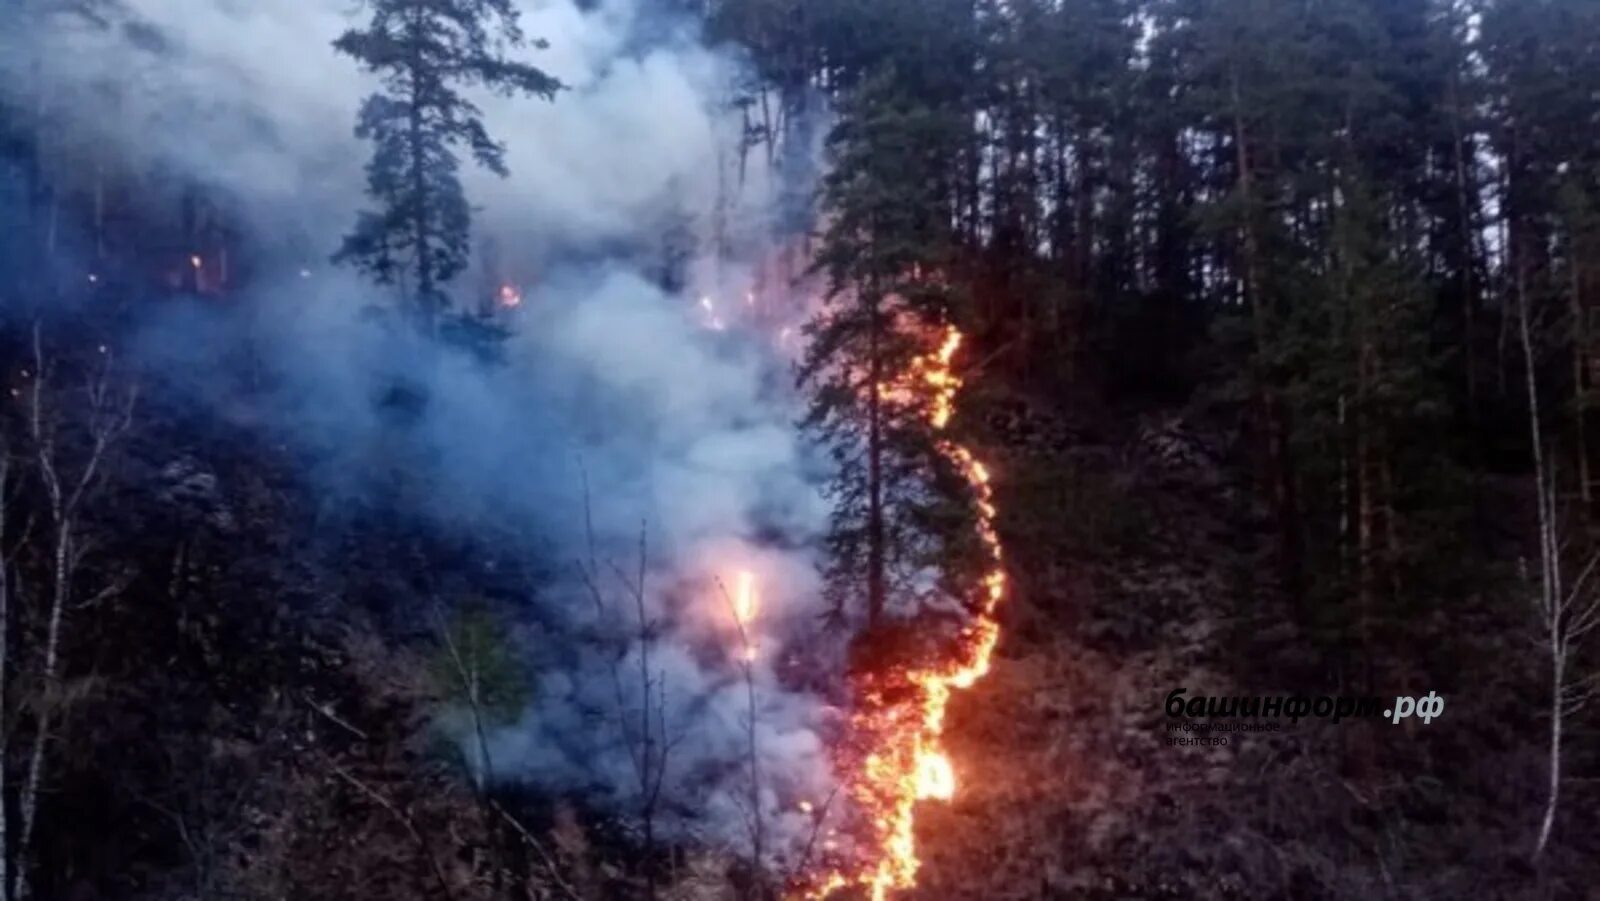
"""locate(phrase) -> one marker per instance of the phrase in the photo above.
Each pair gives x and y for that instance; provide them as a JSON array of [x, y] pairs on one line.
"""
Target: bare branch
[[404, 819], [548, 861], [747, 665], [470, 684], [326, 711]]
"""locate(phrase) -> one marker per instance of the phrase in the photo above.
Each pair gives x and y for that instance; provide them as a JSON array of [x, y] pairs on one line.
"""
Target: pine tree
[[427, 52], [883, 252]]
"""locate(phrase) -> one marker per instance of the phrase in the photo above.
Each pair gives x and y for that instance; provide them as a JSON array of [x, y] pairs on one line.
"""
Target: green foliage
[[476, 667], [884, 252], [426, 52]]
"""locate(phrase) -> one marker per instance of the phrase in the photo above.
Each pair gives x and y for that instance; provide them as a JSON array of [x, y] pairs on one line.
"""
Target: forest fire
[[897, 758]]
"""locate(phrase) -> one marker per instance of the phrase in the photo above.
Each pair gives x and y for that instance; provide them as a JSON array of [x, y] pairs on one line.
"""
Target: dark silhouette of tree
[[427, 53]]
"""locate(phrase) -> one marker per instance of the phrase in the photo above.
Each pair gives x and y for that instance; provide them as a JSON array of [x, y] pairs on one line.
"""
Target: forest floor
[[1142, 564], [289, 682]]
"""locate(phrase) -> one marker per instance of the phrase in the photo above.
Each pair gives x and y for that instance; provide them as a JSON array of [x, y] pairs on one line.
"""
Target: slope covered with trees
[[1279, 338]]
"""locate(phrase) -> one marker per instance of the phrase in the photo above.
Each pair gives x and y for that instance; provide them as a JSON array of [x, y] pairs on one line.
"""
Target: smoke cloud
[[614, 400]]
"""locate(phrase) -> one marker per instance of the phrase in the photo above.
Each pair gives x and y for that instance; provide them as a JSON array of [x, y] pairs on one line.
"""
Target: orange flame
[[899, 718]]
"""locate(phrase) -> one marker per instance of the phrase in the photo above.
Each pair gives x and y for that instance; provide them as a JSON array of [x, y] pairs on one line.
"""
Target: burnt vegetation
[[1280, 345]]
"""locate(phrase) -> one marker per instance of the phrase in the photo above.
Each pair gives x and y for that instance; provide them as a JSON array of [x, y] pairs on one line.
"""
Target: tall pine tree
[[426, 53], [885, 251]]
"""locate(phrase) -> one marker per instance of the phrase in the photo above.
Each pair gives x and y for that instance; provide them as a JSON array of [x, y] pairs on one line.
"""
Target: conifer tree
[[427, 53], [883, 252]]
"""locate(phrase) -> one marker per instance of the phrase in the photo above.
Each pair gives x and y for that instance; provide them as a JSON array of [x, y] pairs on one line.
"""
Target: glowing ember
[[898, 722]]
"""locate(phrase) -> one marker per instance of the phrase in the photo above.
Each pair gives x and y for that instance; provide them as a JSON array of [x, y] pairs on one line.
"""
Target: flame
[[935, 777], [509, 297], [195, 261], [745, 601], [899, 718]]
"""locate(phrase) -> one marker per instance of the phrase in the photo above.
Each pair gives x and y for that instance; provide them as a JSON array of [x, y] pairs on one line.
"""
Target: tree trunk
[[1469, 300], [427, 301], [1274, 415], [877, 588], [29, 803], [1364, 519], [1580, 388], [1549, 559], [1553, 789], [5, 644]]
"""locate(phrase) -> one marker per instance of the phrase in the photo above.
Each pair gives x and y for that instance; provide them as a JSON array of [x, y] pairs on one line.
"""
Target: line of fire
[[888, 749]]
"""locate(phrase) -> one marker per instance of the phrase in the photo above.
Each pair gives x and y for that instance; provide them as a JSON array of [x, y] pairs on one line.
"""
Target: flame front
[[898, 722]]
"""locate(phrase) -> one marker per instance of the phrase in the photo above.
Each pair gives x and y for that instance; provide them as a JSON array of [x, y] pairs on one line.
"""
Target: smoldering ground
[[613, 410]]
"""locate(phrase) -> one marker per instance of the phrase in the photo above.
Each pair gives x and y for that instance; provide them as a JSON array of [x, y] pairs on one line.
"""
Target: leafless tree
[[747, 656], [643, 725], [467, 670], [1566, 613], [6, 554], [105, 413]]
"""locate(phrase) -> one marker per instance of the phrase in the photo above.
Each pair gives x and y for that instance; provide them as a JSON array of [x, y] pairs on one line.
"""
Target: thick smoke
[[615, 401]]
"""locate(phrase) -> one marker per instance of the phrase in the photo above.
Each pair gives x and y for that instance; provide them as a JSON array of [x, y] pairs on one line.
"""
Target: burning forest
[[820, 451]]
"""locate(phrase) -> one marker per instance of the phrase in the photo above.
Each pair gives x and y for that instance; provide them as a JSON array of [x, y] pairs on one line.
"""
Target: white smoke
[[251, 99], [610, 382]]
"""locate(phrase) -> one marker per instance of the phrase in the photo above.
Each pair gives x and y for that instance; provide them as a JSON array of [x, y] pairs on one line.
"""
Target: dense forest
[[751, 449]]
